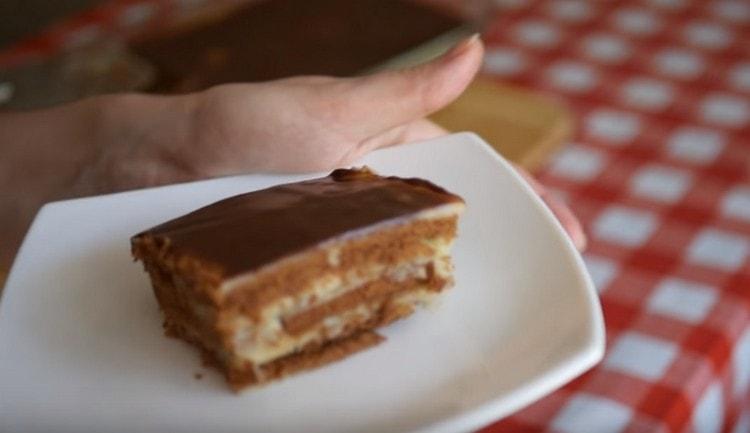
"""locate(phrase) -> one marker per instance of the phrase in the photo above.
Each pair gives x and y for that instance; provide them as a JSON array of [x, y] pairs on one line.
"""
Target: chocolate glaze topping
[[247, 231]]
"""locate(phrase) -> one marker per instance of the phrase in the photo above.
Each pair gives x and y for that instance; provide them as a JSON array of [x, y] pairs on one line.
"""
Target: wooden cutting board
[[524, 127]]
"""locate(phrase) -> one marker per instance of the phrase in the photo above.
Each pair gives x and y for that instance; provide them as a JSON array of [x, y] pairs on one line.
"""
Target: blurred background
[[635, 112], [61, 51]]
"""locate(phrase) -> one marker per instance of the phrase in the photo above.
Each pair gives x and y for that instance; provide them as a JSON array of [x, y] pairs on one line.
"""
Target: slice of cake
[[295, 276]]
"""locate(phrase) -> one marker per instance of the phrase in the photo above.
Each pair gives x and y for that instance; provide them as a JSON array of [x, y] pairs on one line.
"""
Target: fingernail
[[581, 242], [462, 47]]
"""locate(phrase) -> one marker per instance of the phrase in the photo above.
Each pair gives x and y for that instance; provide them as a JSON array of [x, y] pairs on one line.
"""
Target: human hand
[[302, 124], [296, 125], [562, 212]]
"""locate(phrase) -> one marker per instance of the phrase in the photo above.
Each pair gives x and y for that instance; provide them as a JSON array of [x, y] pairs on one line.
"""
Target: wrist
[[139, 142], [144, 138]]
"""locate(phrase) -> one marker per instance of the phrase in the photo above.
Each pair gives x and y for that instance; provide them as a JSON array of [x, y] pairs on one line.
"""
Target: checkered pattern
[[112, 19], [658, 174]]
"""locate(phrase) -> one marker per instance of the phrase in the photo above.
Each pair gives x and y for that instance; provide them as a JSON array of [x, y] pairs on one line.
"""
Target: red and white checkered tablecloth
[[659, 174]]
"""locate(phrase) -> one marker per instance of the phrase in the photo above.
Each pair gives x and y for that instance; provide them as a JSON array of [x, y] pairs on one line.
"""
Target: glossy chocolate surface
[[247, 231]]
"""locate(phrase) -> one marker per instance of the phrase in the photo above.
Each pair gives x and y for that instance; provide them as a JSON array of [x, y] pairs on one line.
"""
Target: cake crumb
[[198, 376]]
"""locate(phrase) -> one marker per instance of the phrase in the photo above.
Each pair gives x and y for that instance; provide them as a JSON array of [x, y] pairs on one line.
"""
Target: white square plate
[[82, 348]]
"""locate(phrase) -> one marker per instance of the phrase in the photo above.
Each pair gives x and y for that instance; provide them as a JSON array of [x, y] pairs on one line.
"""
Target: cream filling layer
[[268, 340], [330, 328]]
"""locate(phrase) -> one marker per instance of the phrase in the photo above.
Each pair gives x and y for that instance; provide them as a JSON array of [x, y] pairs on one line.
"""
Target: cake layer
[[410, 256], [334, 339], [394, 269], [362, 318], [310, 276], [302, 322], [312, 357], [286, 334], [409, 253], [243, 233], [337, 297], [285, 277], [322, 273]]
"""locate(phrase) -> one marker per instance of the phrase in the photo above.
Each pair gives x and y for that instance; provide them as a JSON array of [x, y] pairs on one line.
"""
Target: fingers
[[561, 211], [385, 100], [567, 219]]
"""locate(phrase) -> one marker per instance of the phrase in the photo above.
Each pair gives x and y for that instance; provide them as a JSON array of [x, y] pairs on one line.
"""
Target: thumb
[[387, 99]]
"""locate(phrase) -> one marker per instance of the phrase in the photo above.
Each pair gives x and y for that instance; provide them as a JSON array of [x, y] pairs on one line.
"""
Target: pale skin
[[302, 124]]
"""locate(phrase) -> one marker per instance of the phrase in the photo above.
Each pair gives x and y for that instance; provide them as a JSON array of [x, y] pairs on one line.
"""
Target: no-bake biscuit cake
[[299, 275]]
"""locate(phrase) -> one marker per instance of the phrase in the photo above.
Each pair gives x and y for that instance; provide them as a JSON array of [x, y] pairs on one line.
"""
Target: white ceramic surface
[[82, 349]]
